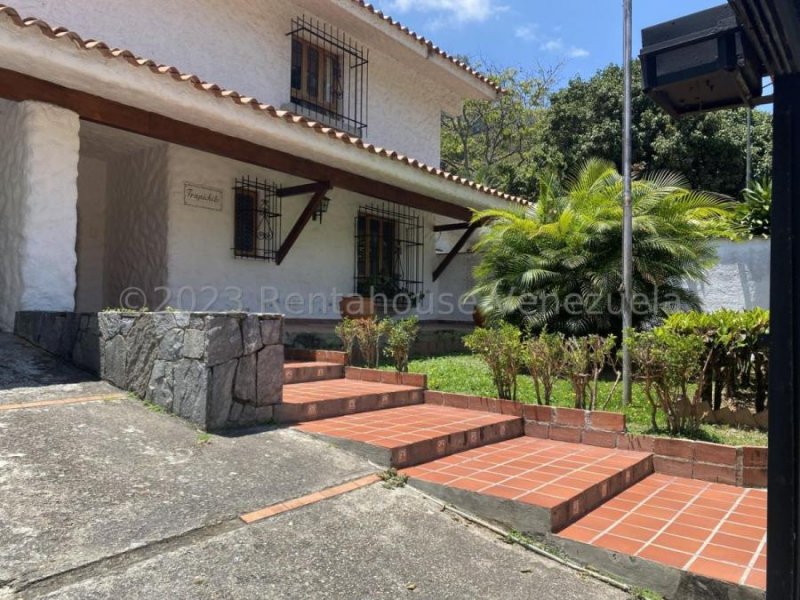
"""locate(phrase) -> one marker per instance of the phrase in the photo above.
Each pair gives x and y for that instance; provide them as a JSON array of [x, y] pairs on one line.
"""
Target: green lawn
[[469, 375]]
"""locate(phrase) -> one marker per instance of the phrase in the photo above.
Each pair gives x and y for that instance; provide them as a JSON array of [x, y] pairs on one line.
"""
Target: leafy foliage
[[559, 264], [585, 120], [502, 351], [400, 336], [498, 143], [346, 331], [369, 333], [735, 357], [585, 359], [753, 214], [545, 359], [668, 363], [467, 374]]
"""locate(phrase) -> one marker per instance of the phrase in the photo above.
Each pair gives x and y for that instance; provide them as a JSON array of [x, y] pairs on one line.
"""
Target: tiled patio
[[421, 432], [710, 529], [568, 479]]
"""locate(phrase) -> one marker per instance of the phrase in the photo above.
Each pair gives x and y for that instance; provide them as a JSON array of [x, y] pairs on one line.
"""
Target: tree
[[584, 120], [497, 143], [558, 264]]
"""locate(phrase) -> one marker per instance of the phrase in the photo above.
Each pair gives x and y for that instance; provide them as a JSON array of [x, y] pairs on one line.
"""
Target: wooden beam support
[[457, 248], [95, 109], [302, 221], [450, 227], [306, 188]]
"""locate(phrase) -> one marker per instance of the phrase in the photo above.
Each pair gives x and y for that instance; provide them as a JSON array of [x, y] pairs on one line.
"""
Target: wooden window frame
[[301, 95]]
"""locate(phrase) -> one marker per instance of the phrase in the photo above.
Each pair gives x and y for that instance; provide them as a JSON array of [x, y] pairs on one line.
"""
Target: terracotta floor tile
[[717, 570], [618, 544], [735, 542], [757, 579], [728, 555], [686, 531], [711, 531], [632, 532], [666, 556], [472, 485], [579, 534], [681, 544]]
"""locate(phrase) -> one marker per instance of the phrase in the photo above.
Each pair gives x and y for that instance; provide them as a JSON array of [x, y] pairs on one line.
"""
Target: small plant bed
[[466, 374]]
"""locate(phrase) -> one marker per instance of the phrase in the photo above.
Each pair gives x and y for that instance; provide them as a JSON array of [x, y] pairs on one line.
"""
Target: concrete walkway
[[108, 499]]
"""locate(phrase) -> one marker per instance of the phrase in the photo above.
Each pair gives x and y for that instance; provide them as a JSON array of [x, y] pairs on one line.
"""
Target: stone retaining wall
[[217, 370]]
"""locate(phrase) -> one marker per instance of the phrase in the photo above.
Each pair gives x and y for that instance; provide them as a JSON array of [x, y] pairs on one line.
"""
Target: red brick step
[[536, 486], [333, 398], [304, 371], [411, 435]]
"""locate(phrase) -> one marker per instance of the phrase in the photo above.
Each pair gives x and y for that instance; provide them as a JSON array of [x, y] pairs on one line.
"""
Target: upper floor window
[[329, 76]]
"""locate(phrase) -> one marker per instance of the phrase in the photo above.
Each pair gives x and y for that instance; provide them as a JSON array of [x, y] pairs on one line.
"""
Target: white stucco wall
[[203, 273], [242, 45], [38, 214], [92, 190], [740, 280], [136, 226]]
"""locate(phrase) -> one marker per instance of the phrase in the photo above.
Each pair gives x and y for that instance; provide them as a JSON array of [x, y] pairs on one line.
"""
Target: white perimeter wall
[[242, 45], [136, 226], [741, 278], [204, 274], [739, 281], [39, 147]]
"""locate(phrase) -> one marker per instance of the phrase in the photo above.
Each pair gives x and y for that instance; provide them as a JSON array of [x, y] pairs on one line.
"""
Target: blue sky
[[584, 35]]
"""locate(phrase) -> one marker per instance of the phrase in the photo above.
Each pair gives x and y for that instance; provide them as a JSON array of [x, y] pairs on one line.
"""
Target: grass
[[469, 375]]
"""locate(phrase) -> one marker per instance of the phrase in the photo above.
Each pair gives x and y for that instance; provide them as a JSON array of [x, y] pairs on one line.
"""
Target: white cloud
[[555, 45], [462, 11], [529, 33]]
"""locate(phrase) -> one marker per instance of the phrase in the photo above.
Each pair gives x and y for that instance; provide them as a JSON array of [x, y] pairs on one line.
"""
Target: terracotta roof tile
[[212, 88], [433, 48]]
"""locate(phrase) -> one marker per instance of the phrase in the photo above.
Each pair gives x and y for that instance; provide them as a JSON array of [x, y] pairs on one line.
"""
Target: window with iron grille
[[390, 252], [257, 219], [329, 76]]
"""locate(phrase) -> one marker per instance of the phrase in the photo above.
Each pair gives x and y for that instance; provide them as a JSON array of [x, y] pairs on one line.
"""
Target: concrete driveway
[[108, 499]]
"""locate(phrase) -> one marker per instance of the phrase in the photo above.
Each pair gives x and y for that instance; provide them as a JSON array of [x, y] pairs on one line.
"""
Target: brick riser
[[432, 449], [572, 510], [304, 374], [336, 407]]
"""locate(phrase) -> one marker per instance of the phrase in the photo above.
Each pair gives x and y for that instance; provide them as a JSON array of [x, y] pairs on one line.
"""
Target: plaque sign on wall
[[202, 196]]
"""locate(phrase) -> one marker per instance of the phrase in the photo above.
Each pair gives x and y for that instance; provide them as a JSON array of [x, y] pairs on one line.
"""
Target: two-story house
[[125, 181]]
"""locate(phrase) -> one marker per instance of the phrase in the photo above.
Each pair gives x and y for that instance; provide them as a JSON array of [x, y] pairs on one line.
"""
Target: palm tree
[[558, 264]]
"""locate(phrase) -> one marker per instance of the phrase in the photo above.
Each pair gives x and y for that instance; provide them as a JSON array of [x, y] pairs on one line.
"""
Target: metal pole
[[627, 229], [749, 170]]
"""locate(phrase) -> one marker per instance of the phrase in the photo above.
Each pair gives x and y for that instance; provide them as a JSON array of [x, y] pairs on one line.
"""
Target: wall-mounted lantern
[[701, 62], [324, 204]]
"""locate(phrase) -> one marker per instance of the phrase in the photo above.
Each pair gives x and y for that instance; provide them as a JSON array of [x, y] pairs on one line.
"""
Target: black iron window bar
[[389, 254], [330, 76], [257, 219]]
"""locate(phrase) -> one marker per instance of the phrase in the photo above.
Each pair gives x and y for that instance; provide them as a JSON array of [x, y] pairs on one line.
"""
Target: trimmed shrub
[[346, 331], [503, 352], [667, 363], [400, 336], [736, 356], [545, 358]]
